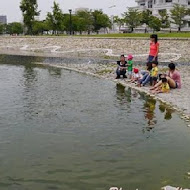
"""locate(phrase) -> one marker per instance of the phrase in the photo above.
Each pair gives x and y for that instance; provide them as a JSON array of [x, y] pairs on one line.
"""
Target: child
[[130, 65], [154, 73], [146, 75], [122, 66], [164, 88], [136, 75]]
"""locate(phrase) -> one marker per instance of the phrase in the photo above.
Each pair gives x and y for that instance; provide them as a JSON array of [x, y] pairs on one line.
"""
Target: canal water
[[61, 130]]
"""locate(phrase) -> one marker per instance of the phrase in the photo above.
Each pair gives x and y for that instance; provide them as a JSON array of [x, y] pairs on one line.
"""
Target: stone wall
[[93, 47]]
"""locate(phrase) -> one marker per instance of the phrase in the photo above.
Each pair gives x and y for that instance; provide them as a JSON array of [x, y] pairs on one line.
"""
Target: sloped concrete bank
[[175, 49]]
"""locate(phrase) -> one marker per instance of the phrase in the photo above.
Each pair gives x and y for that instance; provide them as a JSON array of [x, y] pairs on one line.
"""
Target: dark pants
[[153, 80], [119, 73], [150, 58]]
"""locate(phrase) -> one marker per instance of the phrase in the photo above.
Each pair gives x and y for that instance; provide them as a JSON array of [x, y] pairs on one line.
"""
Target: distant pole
[[70, 23], [113, 6]]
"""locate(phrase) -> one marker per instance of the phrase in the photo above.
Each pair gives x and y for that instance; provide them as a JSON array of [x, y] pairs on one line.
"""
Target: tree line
[[134, 18], [82, 21], [56, 21]]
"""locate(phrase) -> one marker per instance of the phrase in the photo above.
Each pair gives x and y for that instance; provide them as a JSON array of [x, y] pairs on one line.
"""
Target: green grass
[[127, 35], [140, 35]]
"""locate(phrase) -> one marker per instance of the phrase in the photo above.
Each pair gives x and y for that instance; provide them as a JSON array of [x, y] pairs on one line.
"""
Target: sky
[[11, 7]]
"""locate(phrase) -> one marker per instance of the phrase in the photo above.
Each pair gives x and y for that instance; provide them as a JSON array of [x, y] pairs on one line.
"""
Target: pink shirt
[[154, 48], [176, 77]]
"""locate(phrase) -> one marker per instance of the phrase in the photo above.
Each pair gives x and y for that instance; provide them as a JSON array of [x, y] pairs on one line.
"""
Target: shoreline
[[95, 56], [164, 99]]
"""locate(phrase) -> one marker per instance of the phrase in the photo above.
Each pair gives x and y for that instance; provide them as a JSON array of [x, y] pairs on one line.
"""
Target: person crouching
[[122, 66], [136, 75]]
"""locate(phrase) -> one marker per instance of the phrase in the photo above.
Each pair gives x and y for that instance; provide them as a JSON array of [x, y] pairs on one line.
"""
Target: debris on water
[[173, 188]]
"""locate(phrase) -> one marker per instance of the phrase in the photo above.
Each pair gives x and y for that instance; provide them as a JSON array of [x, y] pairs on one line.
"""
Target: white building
[[159, 5], [81, 9]]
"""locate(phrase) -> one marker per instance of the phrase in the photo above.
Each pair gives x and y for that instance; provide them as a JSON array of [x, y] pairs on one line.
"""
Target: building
[[3, 19], [81, 9], [155, 6]]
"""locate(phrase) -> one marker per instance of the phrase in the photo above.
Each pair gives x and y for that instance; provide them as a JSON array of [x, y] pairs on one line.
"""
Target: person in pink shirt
[[173, 77], [154, 48]]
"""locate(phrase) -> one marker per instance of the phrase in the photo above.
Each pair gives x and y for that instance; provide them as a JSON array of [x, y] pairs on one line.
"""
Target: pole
[[70, 22]]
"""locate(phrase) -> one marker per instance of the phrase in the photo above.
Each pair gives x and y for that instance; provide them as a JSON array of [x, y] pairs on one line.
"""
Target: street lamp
[[70, 23], [113, 6]]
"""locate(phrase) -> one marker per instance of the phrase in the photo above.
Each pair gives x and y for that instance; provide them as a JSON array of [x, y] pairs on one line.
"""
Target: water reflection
[[29, 75], [122, 94], [127, 95], [53, 71], [168, 111], [30, 81], [149, 107]]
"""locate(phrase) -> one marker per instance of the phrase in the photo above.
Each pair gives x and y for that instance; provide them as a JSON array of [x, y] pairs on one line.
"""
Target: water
[[60, 130]]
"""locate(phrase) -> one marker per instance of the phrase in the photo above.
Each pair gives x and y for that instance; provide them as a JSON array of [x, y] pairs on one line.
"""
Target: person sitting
[[122, 66], [163, 88], [173, 77], [146, 75], [154, 73], [136, 75], [130, 65]]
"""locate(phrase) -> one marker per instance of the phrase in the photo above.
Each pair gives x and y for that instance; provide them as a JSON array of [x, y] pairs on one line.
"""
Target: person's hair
[[149, 66], [162, 76], [155, 62], [171, 66], [122, 55], [164, 80], [155, 36]]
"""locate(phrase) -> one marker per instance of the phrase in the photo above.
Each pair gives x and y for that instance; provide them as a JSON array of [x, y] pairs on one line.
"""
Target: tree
[[164, 18], [178, 14], [100, 20], [55, 19], [29, 11], [39, 27], [146, 18], [132, 18], [85, 21], [1, 28], [14, 28], [119, 21], [155, 23]]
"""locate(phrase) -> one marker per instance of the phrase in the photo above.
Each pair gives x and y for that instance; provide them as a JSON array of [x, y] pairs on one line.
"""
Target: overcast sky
[[11, 7]]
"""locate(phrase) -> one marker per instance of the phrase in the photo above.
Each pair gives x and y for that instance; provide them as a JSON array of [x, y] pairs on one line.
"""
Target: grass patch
[[121, 35], [104, 71], [143, 35]]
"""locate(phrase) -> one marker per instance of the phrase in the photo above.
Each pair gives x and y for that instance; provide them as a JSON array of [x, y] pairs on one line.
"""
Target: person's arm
[[125, 66]]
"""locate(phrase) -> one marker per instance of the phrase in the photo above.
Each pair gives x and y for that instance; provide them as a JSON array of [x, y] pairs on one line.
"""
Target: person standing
[[154, 48], [130, 65]]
